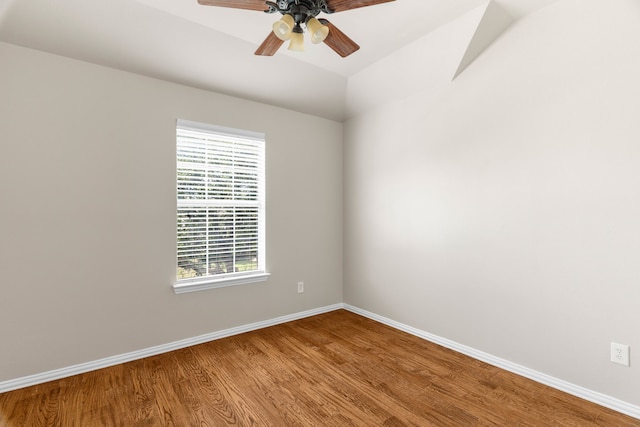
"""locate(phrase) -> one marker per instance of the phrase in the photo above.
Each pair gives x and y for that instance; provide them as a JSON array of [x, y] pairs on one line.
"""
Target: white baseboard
[[152, 351], [581, 392]]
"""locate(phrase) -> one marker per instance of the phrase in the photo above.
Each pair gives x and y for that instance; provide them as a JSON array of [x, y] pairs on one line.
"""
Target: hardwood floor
[[335, 369]]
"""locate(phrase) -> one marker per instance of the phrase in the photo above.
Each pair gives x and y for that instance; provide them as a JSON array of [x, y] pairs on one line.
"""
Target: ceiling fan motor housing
[[300, 10]]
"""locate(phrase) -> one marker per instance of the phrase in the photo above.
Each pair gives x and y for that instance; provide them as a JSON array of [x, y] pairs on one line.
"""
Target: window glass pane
[[191, 184], [246, 239], [221, 235], [192, 242]]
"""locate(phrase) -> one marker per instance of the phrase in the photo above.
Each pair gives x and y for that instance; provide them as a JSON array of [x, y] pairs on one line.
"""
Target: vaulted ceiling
[[212, 47]]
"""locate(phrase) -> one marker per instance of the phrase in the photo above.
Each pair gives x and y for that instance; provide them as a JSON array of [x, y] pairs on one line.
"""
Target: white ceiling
[[212, 47]]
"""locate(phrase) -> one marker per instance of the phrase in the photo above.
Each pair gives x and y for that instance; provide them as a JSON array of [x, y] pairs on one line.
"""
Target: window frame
[[212, 281]]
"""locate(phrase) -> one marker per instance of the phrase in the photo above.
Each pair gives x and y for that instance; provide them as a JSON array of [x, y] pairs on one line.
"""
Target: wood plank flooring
[[335, 369]]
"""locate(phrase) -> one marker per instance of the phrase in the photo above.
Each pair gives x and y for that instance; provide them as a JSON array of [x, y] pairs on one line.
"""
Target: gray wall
[[502, 210], [87, 217]]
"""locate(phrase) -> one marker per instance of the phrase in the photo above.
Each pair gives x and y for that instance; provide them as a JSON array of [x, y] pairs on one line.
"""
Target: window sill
[[212, 283]]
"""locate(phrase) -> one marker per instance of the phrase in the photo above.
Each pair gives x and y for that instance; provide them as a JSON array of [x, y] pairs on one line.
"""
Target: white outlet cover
[[620, 354]]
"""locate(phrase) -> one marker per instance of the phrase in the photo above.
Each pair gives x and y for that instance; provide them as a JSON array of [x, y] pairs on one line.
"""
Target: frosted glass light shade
[[317, 31], [297, 42], [282, 28]]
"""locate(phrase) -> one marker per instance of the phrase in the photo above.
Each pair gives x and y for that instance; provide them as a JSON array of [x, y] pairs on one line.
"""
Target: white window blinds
[[220, 215]]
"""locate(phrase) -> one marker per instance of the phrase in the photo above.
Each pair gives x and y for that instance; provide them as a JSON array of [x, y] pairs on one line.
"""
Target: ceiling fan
[[296, 13]]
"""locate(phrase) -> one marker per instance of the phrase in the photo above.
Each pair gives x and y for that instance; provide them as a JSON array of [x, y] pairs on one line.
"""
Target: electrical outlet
[[620, 354], [300, 287]]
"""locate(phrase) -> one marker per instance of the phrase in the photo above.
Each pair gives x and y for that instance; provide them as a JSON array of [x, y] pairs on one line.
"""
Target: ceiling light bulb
[[282, 28], [318, 31], [297, 40]]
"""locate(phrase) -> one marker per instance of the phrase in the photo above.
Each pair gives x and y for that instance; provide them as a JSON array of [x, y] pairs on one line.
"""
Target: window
[[220, 209]]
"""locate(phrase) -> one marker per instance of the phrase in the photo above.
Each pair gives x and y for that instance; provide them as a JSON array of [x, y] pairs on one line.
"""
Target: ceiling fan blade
[[339, 41], [340, 5], [269, 46], [237, 4]]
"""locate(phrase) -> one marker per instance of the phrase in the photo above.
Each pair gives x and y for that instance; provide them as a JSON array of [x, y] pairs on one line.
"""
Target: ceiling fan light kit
[[296, 13]]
